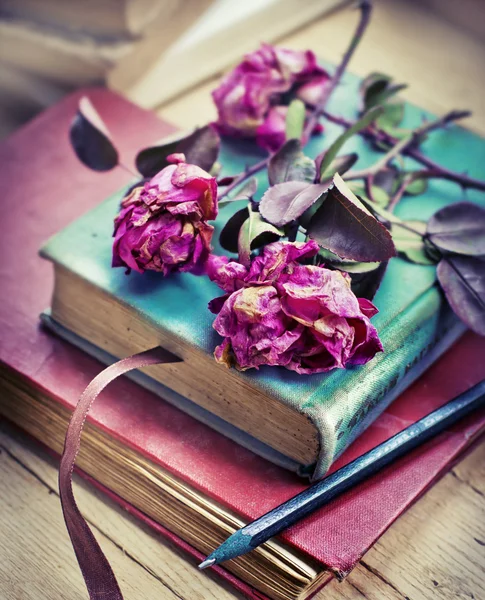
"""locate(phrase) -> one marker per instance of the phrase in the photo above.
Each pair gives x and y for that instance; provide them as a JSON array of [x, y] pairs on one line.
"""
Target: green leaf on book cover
[[290, 164], [346, 227], [416, 187], [255, 232], [380, 196], [286, 202], [463, 281], [295, 119], [391, 117], [459, 228], [340, 165], [91, 139], [201, 148], [368, 118], [411, 243]]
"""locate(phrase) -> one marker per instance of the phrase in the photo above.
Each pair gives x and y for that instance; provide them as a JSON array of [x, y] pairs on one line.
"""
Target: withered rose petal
[[271, 134], [303, 317], [162, 226], [246, 97], [229, 275]]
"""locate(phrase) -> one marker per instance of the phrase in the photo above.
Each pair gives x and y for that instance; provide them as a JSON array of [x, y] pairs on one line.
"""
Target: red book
[[43, 188]]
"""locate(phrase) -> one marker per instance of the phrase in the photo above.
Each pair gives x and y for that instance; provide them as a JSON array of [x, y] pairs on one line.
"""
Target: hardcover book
[[190, 483], [306, 422]]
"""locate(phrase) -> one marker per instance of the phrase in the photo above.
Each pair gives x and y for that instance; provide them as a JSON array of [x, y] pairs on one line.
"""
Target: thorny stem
[[366, 10], [434, 170], [249, 172], [365, 15], [400, 191]]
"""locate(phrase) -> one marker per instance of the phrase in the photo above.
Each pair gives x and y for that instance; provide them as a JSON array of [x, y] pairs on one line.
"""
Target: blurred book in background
[[150, 50]]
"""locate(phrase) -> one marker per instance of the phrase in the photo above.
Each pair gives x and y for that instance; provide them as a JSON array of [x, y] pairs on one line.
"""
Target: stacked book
[[50, 47], [162, 447]]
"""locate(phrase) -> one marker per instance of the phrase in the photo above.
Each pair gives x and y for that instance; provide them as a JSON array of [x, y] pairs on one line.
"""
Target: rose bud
[[250, 101], [162, 225], [281, 312]]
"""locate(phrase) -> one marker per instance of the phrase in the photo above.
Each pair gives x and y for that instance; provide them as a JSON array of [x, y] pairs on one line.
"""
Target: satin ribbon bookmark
[[98, 575]]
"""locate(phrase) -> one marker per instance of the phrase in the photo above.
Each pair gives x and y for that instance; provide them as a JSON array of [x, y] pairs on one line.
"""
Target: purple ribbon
[[98, 575]]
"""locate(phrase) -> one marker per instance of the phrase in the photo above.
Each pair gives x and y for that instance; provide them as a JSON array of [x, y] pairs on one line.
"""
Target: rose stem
[[365, 14], [130, 171], [434, 169]]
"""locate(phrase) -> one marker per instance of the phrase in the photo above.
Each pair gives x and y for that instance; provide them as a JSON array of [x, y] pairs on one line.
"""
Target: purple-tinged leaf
[[254, 233], [230, 232], [290, 164], [463, 281], [91, 139], [459, 228], [344, 226], [286, 202], [340, 165], [201, 148]]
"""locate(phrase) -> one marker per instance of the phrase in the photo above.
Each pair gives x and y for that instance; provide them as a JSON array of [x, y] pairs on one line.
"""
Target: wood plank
[[437, 549], [141, 559]]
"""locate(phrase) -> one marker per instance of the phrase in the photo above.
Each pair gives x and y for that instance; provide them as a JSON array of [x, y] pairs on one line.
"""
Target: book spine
[[412, 342]]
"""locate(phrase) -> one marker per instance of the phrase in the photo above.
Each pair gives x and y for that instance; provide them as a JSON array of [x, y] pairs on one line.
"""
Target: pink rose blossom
[[249, 99], [281, 312], [162, 225]]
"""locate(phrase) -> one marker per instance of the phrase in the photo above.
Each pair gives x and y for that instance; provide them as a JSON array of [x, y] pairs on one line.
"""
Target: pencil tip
[[208, 562]]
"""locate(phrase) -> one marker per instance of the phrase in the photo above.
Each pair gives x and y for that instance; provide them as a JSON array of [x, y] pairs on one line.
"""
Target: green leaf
[[201, 148], [463, 281], [373, 85], [290, 164], [340, 165], [286, 202], [91, 139], [411, 244], [255, 232], [345, 226], [295, 119], [380, 196], [356, 267], [393, 114], [361, 124], [459, 228], [417, 187]]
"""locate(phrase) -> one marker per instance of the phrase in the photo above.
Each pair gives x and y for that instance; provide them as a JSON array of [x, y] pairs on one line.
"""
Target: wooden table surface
[[436, 550]]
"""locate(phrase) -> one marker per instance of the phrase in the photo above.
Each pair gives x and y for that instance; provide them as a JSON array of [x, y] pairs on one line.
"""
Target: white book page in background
[[220, 37], [222, 14]]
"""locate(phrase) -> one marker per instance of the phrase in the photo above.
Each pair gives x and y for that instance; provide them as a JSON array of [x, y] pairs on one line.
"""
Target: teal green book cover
[[414, 322]]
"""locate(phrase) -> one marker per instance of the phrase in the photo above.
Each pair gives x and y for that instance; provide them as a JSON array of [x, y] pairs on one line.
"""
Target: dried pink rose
[[281, 312], [249, 99], [162, 225]]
